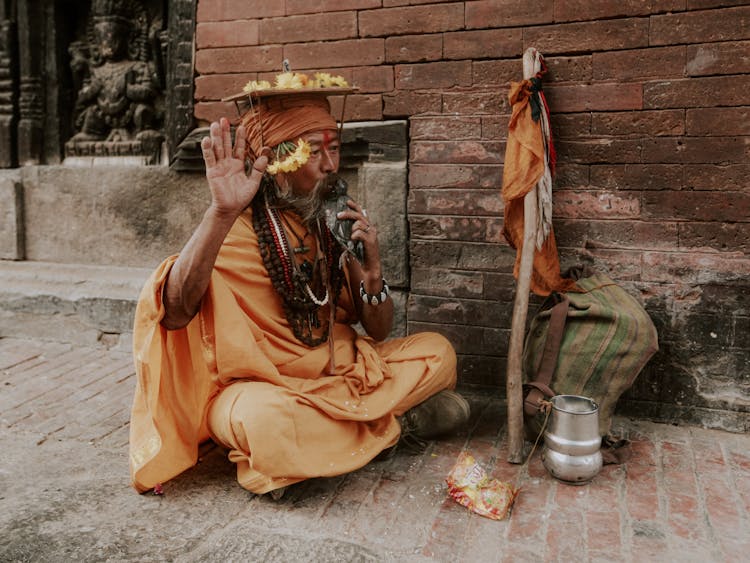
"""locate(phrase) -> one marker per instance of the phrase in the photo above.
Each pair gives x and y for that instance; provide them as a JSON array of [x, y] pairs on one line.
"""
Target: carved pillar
[[8, 87], [179, 74], [31, 91]]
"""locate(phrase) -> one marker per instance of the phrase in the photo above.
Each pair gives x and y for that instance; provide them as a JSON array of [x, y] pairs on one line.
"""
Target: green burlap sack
[[607, 340]]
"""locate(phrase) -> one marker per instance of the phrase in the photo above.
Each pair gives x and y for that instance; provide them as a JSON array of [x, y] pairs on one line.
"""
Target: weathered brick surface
[[414, 48], [639, 64], [700, 27], [495, 43], [718, 58], [649, 104], [584, 37], [312, 27], [413, 19], [226, 34]]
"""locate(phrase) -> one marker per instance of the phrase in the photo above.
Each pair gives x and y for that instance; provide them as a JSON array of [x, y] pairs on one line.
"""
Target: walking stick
[[513, 384]]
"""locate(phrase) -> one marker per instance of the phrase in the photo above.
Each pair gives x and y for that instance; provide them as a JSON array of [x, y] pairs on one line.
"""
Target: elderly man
[[246, 336]]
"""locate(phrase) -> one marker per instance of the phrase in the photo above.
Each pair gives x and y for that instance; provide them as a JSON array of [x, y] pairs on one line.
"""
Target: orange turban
[[274, 119]]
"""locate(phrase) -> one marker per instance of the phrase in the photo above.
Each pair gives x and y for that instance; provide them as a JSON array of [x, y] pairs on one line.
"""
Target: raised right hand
[[231, 189]]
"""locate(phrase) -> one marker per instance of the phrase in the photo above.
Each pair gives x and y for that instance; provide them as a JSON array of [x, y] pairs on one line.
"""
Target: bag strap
[[558, 315]]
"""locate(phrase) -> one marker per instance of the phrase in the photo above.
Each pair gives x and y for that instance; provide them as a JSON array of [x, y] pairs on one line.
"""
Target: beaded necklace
[[300, 303]]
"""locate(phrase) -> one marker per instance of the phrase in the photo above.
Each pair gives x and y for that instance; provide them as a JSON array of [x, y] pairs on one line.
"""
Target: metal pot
[[572, 442]]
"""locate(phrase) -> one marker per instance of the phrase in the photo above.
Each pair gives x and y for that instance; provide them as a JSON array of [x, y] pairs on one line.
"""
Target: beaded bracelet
[[374, 299]]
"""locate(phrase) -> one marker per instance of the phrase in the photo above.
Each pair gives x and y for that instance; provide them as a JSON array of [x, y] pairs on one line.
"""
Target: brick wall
[[650, 106]]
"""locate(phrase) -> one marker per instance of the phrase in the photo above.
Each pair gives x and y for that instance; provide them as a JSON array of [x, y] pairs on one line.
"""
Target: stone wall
[[650, 111]]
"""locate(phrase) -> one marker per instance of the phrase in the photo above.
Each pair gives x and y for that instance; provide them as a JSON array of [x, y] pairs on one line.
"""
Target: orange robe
[[237, 374]]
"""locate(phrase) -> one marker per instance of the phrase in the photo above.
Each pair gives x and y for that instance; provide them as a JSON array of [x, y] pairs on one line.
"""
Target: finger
[[226, 136], [258, 169], [208, 154], [239, 143], [216, 141]]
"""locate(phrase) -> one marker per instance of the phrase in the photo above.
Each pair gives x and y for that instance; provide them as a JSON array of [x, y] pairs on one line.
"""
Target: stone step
[[76, 303]]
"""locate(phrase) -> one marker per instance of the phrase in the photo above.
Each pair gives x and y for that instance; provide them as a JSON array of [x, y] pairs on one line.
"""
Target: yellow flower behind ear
[[294, 159], [255, 85]]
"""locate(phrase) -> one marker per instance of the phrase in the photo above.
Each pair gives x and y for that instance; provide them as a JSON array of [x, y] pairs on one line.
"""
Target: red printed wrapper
[[469, 486]]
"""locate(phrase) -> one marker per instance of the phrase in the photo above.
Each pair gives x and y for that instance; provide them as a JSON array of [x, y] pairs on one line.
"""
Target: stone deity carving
[[117, 103]]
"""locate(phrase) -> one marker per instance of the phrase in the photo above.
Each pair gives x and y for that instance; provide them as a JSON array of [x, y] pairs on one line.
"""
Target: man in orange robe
[[247, 339]]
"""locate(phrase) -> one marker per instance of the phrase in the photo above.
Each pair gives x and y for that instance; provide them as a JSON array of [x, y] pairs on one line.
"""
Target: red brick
[[594, 97], [717, 177], [637, 64], [475, 102], [576, 10], [571, 125], [238, 59], [407, 103], [413, 48], [718, 58], [637, 176], [373, 78], [507, 13], [570, 175], [467, 339], [455, 176], [205, 112], [462, 256], [226, 34], [495, 127], [356, 52], [698, 206], [704, 4], [596, 205], [313, 27], [641, 123], [445, 127], [495, 43], [432, 75], [321, 6], [455, 202], [447, 283], [568, 69], [358, 107], [584, 37], [718, 121], [593, 151], [693, 267], [566, 534], [461, 152], [590, 232], [411, 20], [641, 492], [457, 311], [700, 27], [603, 533], [726, 237], [715, 150], [218, 86], [219, 10], [697, 92], [496, 73]]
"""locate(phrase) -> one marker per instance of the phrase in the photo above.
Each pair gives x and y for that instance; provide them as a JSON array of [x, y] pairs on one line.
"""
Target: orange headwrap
[[274, 119]]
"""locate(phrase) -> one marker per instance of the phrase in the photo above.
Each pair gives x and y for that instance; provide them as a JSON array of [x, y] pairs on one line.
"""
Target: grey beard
[[309, 206]]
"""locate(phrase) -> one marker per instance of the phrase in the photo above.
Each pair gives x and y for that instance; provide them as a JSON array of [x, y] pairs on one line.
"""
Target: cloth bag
[[593, 344]]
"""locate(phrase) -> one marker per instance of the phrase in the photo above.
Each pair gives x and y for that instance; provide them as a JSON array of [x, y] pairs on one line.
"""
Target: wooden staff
[[514, 382]]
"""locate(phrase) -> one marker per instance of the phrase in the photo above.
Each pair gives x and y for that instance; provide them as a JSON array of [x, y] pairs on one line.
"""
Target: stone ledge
[[76, 303]]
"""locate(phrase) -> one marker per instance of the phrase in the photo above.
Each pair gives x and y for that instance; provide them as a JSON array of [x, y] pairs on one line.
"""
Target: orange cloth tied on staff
[[524, 166]]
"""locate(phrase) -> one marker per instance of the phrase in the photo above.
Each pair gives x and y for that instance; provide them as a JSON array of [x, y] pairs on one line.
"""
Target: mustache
[[308, 206]]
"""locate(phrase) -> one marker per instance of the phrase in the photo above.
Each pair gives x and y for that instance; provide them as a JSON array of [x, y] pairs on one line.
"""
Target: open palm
[[232, 189]]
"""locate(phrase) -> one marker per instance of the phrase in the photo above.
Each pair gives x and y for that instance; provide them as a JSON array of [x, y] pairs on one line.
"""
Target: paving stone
[[65, 494]]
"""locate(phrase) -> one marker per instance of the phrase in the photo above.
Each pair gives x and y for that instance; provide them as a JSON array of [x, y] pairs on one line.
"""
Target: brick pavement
[[685, 494]]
